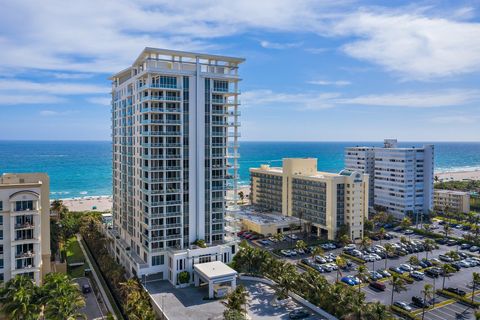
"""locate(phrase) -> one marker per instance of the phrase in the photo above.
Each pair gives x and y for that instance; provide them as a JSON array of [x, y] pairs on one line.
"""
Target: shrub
[[461, 299], [403, 313], [184, 277], [353, 258]]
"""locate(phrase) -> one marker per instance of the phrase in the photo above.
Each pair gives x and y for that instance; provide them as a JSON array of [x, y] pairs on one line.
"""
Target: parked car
[[86, 288], [465, 246], [451, 242], [456, 291], [298, 314], [384, 273], [377, 285], [396, 269], [408, 231], [402, 305], [320, 259], [441, 241], [348, 280], [433, 272], [286, 253], [420, 302], [417, 275], [473, 249], [349, 247], [406, 267], [374, 275], [428, 263], [445, 258]]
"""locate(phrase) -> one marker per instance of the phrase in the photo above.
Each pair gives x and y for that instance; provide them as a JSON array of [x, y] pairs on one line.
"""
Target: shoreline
[[458, 175]]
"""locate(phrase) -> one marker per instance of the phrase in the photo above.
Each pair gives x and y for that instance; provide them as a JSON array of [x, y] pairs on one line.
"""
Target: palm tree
[[341, 263], [413, 260], [301, 245], [429, 245], [406, 222], [362, 274], [403, 239], [279, 236], [447, 229], [61, 297], [19, 299], [59, 208], [427, 294], [447, 270], [389, 250], [365, 242], [237, 299], [317, 251], [377, 311], [345, 239], [453, 254], [475, 282], [381, 234], [287, 280], [398, 285]]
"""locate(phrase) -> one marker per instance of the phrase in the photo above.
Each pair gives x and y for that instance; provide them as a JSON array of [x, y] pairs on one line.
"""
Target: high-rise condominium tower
[[174, 130], [402, 177]]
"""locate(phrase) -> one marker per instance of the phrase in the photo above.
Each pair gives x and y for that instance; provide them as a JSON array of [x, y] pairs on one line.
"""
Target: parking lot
[[461, 279]]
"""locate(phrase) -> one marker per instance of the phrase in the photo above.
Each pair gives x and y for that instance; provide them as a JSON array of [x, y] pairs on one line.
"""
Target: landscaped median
[[75, 258], [467, 299], [353, 258], [404, 313]]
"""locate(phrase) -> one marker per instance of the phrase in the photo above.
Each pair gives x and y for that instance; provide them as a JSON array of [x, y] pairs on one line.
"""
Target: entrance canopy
[[214, 273]]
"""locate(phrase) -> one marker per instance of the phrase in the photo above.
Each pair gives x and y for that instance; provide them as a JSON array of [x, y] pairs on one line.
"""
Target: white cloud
[[13, 99], [416, 99], [104, 101], [330, 83], [455, 119], [51, 113], [323, 100], [277, 45], [299, 100], [57, 88], [75, 76], [412, 45]]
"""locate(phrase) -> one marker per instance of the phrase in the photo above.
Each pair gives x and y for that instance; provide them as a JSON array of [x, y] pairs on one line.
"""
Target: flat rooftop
[[214, 269], [260, 217], [453, 192]]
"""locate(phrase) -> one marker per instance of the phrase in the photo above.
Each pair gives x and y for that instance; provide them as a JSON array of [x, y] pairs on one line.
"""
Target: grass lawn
[[75, 255]]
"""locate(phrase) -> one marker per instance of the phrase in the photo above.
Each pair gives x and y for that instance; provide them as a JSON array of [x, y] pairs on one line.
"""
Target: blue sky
[[314, 71]]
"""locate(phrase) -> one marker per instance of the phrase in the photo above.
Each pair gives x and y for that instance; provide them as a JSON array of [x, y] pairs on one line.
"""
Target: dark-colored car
[[455, 265], [442, 241], [419, 302], [298, 314], [456, 291], [433, 273], [377, 285], [397, 270], [86, 288], [451, 242]]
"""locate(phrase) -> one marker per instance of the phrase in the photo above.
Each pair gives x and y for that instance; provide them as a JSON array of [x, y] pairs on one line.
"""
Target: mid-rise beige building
[[24, 225], [451, 200], [326, 200]]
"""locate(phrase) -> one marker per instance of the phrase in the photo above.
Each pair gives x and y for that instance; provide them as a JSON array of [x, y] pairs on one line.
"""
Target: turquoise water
[[80, 168]]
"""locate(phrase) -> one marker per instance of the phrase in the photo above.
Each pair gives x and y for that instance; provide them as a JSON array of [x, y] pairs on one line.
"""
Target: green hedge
[[464, 300], [403, 313], [356, 259]]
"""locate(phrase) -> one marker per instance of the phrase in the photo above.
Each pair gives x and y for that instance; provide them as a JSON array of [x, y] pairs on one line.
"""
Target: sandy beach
[[93, 203], [458, 176]]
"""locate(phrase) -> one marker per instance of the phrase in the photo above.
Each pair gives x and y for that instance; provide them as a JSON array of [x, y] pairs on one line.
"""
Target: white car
[[286, 253], [350, 246], [376, 256], [320, 259], [406, 267], [465, 264]]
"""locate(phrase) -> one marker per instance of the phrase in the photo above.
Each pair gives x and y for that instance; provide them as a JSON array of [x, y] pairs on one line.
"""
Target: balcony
[[26, 225], [161, 133], [161, 145], [164, 110], [27, 254], [161, 98], [159, 86], [161, 121]]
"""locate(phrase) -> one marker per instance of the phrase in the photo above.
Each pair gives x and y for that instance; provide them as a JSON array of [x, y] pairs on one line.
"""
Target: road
[[92, 308]]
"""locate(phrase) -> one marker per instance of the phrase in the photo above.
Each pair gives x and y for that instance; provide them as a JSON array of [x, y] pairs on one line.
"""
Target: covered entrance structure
[[217, 274]]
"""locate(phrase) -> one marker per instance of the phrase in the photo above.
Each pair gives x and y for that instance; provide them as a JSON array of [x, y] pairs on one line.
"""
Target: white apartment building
[[326, 200], [402, 177], [24, 226], [175, 153], [451, 200]]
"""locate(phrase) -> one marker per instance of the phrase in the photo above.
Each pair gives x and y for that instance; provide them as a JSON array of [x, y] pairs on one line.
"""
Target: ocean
[[83, 168]]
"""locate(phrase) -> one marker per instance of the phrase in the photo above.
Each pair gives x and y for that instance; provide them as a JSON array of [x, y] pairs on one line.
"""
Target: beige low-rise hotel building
[[326, 200], [451, 200], [24, 225]]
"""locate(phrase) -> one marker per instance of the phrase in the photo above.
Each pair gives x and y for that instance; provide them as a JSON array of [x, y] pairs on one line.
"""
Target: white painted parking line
[[432, 316]]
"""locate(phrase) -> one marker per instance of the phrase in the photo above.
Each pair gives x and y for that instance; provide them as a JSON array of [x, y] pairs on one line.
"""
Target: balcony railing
[[159, 86], [161, 98], [26, 225]]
